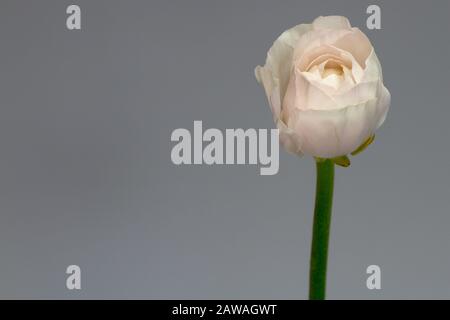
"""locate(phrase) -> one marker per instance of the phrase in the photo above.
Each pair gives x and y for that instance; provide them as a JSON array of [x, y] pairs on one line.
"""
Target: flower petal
[[360, 92], [334, 133], [303, 93], [274, 75], [372, 71], [289, 139], [357, 44], [315, 43], [384, 102], [331, 22]]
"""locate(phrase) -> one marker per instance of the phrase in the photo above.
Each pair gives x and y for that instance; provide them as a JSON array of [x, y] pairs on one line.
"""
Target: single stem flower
[[325, 89]]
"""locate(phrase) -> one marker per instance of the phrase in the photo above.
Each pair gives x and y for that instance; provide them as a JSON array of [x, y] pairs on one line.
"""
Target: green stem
[[321, 229]]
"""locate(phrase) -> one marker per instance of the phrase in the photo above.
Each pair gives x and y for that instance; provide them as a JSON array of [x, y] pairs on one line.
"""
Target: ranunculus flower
[[325, 88]]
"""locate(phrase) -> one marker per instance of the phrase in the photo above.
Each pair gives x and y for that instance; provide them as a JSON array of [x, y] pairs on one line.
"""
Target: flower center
[[332, 68]]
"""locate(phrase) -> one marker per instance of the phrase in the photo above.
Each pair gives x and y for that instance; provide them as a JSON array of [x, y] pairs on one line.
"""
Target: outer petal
[[289, 139], [305, 93], [274, 75], [329, 134], [384, 102], [271, 87], [360, 92], [373, 69], [331, 22]]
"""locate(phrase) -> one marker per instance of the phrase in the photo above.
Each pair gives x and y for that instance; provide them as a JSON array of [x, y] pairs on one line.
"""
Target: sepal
[[364, 145], [342, 161]]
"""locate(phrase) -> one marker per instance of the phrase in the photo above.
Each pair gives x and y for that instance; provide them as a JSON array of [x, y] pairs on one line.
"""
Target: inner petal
[[319, 55], [331, 74]]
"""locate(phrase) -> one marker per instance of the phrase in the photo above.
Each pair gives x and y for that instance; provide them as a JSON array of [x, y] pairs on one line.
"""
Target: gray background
[[86, 176]]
